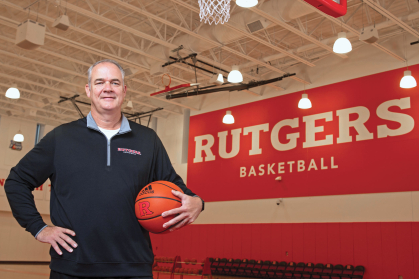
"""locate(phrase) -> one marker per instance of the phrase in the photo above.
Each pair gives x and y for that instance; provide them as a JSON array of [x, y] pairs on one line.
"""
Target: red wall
[[372, 165], [385, 249]]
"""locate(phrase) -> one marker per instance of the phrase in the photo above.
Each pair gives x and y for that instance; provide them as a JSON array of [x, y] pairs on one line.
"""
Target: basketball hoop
[[166, 80], [214, 11]]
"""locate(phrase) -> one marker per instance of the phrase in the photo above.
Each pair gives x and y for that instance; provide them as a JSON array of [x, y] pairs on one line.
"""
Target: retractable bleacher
[[235, 267], [264, 269], [308, 271], [242, 267], [299, 270], [253, 269]]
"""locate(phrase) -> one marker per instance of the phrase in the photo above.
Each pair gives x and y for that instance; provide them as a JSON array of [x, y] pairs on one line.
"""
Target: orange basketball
[[152, 201]]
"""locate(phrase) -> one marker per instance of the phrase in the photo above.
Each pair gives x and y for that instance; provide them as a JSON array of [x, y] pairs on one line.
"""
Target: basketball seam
[[158, 197], [148, 218], [156, 182], [164, 230]]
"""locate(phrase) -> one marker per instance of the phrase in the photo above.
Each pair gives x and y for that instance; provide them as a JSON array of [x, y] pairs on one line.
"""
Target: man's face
[[107, 91]]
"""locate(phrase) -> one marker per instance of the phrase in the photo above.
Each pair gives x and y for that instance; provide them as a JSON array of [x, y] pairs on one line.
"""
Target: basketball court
[[294, 120]]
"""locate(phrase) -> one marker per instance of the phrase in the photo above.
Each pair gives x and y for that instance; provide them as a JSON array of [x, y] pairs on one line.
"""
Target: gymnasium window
[[39, 132]]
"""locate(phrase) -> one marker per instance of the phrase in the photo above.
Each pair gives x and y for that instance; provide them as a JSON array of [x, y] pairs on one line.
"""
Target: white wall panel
[[382, 207]]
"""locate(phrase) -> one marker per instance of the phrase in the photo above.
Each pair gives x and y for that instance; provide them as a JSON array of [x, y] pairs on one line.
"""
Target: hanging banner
[[360, 136]]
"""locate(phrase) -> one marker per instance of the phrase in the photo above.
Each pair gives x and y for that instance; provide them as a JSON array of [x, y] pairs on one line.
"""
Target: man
[[94, 185]]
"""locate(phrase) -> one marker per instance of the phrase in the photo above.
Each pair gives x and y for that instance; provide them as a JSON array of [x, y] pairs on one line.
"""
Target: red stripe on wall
[[415, 237], [374, 246], [388, 234], [321, 243], [309, 243], [346, 242], [385, 249], [404, 250]]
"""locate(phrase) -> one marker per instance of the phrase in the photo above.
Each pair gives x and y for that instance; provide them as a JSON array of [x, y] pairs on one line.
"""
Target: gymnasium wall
[[378, 230], [15, 243], [362, 212]]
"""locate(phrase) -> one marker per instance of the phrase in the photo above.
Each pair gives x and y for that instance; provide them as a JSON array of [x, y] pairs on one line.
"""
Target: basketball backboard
[[335, 8]]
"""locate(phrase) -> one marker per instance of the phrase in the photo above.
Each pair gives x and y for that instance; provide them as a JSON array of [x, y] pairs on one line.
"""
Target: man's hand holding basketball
[[57, 235], [187, 213]]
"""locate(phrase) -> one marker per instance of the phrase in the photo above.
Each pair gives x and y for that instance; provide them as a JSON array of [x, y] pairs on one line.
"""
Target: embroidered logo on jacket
[[129, 151]]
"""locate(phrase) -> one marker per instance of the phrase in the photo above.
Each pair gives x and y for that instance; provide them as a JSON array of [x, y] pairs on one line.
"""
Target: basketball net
[[214, 11]]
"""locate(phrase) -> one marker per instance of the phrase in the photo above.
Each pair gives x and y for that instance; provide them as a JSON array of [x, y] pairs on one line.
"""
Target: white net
[[214, 11]]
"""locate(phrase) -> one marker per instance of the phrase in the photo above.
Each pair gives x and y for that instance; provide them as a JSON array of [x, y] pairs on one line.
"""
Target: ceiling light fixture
[[246, 3], [18, 137], [304, 102], [342, 44], [408, 81], [13, 92], [235, 76], [220, 78], [228, 118], [216, 79]]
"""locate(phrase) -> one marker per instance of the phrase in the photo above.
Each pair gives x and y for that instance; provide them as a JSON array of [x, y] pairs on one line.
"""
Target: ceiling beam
[[165, 43], [392, 17], [300, 33], [95, 51], [14, 109], [353, 30], [134, 91], [49, 121], [20, 104], [54, 99], [210, 41], [69, 72], [19, 69], [88, 33]]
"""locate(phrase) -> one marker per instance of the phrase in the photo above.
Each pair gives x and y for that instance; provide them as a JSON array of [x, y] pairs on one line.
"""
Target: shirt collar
[[91, 123]]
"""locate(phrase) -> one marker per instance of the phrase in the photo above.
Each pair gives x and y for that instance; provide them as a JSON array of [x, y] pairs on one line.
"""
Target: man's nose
[[107, 86]]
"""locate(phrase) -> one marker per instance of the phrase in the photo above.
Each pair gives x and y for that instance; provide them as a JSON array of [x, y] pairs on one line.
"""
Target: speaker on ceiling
[[30, 35], [369, 35], [62, 23]]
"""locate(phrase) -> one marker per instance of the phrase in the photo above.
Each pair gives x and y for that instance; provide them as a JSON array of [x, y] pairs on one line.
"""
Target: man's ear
[[87, 89]]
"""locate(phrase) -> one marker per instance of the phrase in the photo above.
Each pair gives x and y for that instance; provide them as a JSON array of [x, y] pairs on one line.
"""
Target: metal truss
[[385, 12], [353, 30]]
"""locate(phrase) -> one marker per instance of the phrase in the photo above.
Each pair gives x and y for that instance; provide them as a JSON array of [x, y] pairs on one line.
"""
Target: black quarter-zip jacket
[[94, 183]]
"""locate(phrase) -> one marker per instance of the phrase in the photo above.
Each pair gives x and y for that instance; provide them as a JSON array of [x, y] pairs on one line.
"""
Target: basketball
[[152, 201]]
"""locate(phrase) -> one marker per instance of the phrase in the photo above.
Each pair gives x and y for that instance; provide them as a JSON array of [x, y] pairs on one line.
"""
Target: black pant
[[57, 275]]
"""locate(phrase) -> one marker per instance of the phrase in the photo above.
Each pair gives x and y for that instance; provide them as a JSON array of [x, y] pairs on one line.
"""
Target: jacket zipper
[[108, 164], [108, 151]]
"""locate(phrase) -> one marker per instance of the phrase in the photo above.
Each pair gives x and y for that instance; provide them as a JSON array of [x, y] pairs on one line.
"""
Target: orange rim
[[170, 80]]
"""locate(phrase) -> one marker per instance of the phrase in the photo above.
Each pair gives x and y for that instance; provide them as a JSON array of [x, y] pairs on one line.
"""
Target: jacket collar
[[125, 128]]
